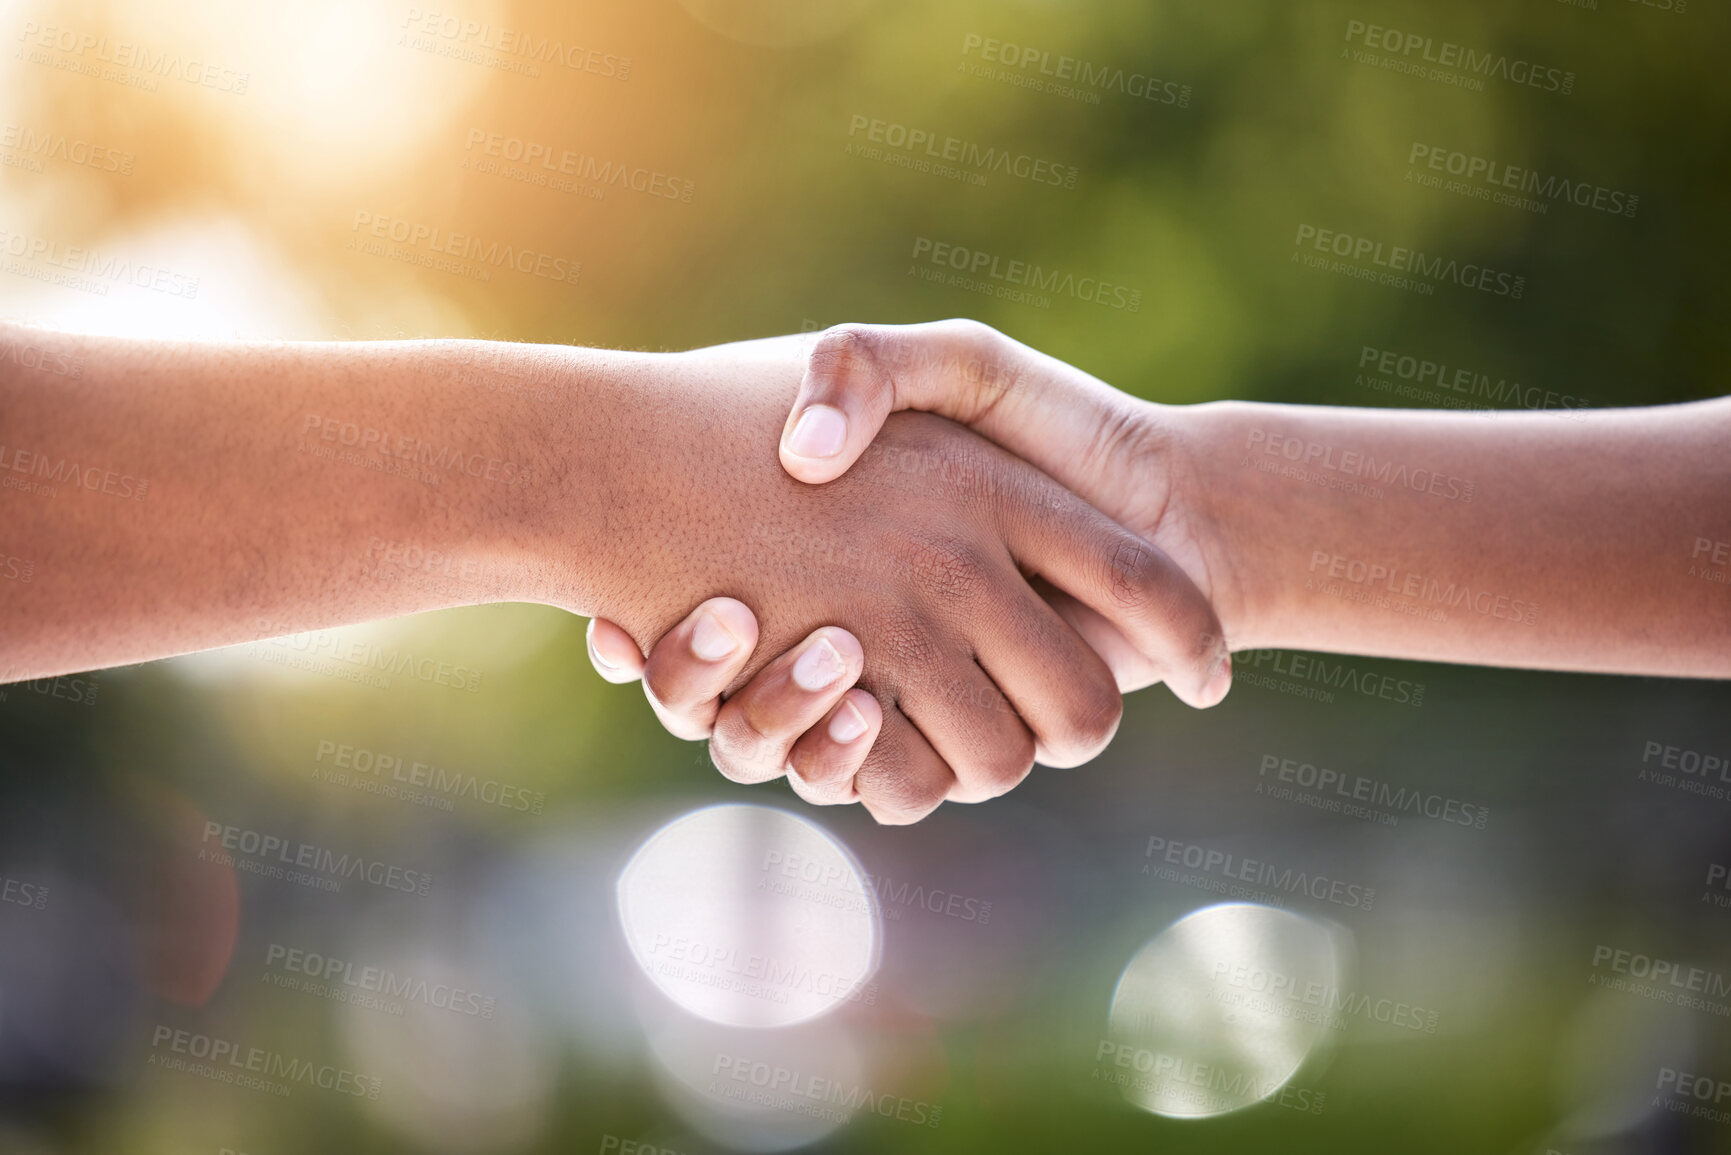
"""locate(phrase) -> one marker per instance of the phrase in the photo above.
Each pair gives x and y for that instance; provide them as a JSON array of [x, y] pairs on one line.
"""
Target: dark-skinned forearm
[[172, 496]]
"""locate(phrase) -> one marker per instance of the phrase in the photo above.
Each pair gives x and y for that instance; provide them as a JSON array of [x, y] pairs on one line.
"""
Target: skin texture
[[1533, 540], [283, 476]]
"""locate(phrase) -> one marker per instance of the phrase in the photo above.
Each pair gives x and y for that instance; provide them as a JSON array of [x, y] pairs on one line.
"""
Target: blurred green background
[[259, 172]]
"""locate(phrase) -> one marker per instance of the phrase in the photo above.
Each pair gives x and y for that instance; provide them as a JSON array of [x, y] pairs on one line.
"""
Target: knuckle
[[1209, 650], [1130, 573], [951, 567], [896, 796], [1090, 720], [742, 751], [902, 651], [666, 688], [1002, 770], [820, 767], [983, 359], [683, 729], [900, 813], [844, 350], [975, 334], [726, 763]]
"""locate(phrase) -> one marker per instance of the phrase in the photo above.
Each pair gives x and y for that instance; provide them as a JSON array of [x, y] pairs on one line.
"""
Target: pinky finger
[[613, 653], [822, 764]]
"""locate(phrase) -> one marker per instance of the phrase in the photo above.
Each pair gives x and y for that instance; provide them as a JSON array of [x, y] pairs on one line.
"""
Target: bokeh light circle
[[1220, 1010], [749, 916]]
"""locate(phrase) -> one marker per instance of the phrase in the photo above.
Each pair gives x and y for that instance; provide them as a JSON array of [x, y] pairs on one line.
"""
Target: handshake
[[939, 603], [905, 607]]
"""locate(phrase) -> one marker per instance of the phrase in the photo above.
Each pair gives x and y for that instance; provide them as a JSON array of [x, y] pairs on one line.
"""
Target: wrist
[[569, 538], [1208, 503], [638, 447]]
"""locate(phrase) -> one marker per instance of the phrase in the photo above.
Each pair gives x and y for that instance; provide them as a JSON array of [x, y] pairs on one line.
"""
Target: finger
[[695, 661], [1136, 587], [902, 779], [756, 730], [823, 762], [612, 652], [1131, 669], [973, 727], [844, 396], [1047, 412], [857, 375], [1059, 687]]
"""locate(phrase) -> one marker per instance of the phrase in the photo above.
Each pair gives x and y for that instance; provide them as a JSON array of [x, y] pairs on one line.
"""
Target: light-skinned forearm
[[163, 497], [1589, 541]]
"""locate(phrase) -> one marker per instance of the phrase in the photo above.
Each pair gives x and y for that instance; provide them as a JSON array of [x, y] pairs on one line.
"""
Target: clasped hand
[[983, 605]]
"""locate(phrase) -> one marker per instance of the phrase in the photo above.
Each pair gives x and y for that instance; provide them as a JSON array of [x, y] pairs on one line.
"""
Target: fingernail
[[710, 640], [599, 658], [820, 432], [818, 667], [847, 724]]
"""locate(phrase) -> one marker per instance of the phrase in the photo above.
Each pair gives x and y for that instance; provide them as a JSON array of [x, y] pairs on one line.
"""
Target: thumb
[[1046, 412], [844, 396]]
